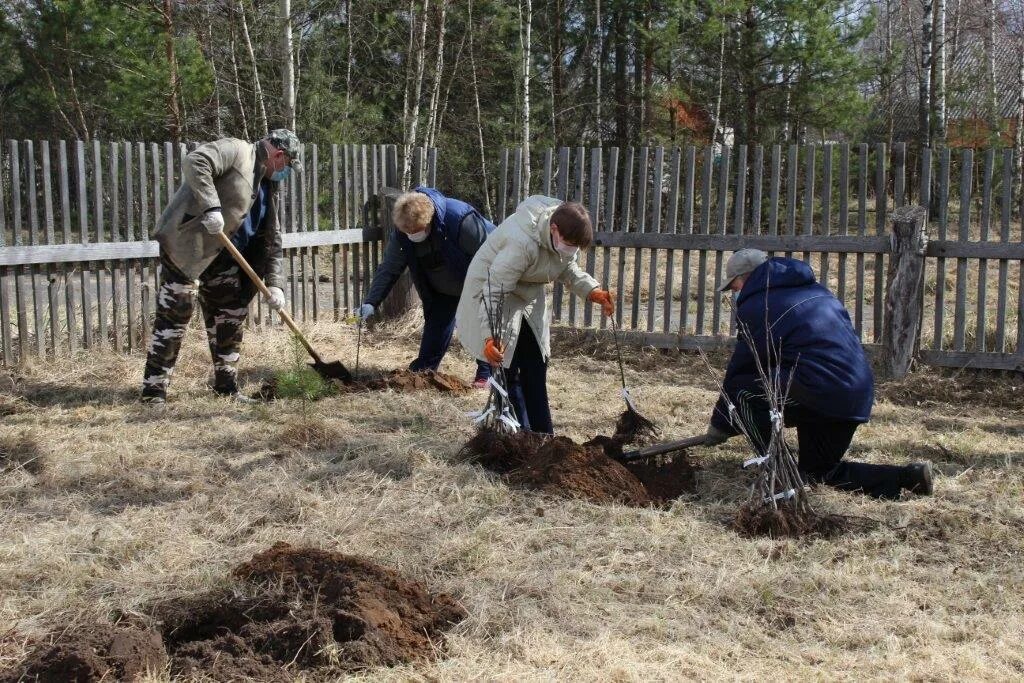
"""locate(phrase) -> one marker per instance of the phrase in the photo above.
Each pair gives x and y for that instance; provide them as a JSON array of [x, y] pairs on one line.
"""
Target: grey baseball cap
[[284, 139], [740, 263]]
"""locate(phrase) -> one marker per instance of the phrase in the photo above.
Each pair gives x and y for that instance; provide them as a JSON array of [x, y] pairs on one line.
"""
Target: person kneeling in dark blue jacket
[[799, 327], [437, 237]]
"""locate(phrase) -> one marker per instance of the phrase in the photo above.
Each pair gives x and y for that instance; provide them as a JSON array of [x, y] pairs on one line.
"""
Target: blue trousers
[[527, 377], [438, 328]]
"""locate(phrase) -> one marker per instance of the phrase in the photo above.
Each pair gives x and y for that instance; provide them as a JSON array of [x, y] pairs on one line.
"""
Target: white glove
[[213, 221], [276, 298], [365, 311]]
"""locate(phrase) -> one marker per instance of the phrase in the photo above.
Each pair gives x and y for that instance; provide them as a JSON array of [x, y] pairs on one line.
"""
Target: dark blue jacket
[[782, 303], [446, 233]]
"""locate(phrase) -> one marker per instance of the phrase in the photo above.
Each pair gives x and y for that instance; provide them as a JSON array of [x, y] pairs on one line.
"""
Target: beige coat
[[520, 261], [220, 173]]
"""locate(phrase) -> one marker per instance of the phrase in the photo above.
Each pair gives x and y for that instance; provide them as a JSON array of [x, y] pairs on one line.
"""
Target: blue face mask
[[282, 174]]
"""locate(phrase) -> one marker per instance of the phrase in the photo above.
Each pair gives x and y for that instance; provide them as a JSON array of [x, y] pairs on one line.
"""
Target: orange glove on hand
[[493, 352], [603, 297]]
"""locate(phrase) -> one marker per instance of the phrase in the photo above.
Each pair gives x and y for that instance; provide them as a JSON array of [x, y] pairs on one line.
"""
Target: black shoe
[[920, 478]]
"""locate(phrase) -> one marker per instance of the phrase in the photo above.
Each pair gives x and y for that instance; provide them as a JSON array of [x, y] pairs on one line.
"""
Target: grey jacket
[[224, 173]]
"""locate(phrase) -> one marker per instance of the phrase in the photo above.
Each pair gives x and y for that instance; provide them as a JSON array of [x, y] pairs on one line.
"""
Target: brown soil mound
[[290, 610], [787, 523], [100, 652], [407, 381], [402, 381], [559, 466]]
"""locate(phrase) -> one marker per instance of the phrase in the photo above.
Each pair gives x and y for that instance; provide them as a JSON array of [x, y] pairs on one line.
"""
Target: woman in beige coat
[[533, 247]]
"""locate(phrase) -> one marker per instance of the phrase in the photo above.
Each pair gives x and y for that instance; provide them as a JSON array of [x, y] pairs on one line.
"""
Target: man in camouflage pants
[[231, 186]]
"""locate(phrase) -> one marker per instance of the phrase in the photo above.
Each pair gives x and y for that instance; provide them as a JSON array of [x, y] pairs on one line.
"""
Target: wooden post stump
[[403, 295], [904, 294]]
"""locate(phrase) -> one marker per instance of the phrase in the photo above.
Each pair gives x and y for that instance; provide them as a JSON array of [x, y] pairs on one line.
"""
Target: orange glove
[[493, 352], [603, 297]]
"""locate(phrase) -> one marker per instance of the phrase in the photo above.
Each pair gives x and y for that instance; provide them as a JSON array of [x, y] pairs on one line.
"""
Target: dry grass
[[136, 504]]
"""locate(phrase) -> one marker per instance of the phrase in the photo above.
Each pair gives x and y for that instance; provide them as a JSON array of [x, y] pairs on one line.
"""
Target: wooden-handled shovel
[[329, 371], [662, 448]]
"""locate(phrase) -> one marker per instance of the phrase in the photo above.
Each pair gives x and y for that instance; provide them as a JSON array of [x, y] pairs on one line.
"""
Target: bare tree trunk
[[173, 97], [557, 53], [289, 64], [525, 25], [598, 64], [1018, 140], [263, 129], [939, 97], [648, 83], [887, 86], [407, 96], [238, 87], [435, 92], [924, 92], [990, 69], [716, 120], [348, 65], [439, 126], [621, 111], [479, 122], [421, 59], [957, 22], [786, 125]]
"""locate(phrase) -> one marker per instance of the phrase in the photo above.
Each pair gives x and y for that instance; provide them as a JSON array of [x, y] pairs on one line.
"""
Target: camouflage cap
[[284, 139]]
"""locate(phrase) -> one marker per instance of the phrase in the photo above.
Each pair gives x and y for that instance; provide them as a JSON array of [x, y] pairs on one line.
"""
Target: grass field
[[107, 505]]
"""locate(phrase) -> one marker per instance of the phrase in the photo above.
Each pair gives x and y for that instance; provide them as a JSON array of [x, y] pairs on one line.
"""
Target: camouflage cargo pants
[[224, 295]]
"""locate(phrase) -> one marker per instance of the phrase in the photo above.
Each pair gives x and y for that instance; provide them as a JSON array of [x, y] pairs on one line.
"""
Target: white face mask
[[418, 237], [561, 247]]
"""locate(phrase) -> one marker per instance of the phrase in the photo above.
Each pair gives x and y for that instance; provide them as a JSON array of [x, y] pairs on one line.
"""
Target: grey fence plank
[[881, 228], [365, 204], [577, 197], [49, 237], [548, 153], [115, 236], [517, 177], [503, 187], [960, 311], [625, 197], [844, 214], [1004, 236], [836, 244], [899, 173], [940, 263], [723, 212], [129, 234], [38, 303], [100, 221], [655, 226], [808, 222], [739, 209], [145, 298], [6, 342], [672, 217], [594, 208], [756, 187], [773, 190], [432, 167], [642, 182], [826, 208], [65, 218], [688, 199], [83, 228], [704, 228], [611, 180], [17, 225], [981, 327], [792, 171], [862, 227], [561, 192]]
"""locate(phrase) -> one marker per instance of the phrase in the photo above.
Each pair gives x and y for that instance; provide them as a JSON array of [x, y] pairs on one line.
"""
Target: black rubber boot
[[920, 478]]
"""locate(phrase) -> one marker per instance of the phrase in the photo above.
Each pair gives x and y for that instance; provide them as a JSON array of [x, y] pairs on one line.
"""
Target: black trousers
[[527, 377], [822, 443]]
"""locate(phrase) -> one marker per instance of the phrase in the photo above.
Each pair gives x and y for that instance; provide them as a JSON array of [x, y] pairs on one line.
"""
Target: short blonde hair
[[413, 210]]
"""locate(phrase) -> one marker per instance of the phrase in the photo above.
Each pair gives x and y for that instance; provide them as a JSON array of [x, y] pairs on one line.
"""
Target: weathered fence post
[[904, 294], [403, 295]]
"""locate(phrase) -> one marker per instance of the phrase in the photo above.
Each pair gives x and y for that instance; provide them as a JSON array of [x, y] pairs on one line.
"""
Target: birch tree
[[433, 118], [260, 106], [990, 68], [174, 89], [939, 96], [525, 22], [413, 116], [479, 121], [288, 63], [924, 77]]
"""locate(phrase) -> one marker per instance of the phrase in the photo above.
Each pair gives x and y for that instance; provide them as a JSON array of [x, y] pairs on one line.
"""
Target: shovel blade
[[334, 370]]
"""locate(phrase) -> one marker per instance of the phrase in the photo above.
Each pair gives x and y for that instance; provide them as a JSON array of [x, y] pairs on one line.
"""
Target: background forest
[[473, 76]]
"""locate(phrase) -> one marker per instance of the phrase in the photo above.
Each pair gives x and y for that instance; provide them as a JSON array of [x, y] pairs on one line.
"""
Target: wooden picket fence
[[666, 219], [78, 268]]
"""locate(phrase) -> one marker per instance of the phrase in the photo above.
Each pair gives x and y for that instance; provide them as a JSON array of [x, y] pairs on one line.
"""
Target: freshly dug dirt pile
[[402, 381], [786, 523], [407, 381], [303, 608], [100, 652], [290, 610], [560, 466]]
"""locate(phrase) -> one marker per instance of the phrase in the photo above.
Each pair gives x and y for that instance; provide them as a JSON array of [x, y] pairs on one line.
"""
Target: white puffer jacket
[[519, 261]]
